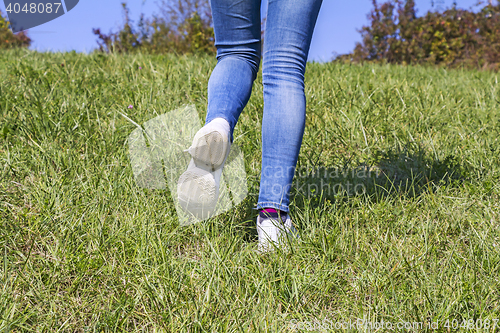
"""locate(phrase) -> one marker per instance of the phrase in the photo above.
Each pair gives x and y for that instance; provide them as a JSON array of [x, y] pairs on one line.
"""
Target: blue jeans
[[287, 37]]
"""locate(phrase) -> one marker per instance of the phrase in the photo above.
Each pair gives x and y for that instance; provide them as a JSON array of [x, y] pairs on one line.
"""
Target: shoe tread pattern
[[209, 150], [194, 181]]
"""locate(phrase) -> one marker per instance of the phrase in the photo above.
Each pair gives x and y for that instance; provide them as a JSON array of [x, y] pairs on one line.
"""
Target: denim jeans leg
[[237, 38], [289, 28]]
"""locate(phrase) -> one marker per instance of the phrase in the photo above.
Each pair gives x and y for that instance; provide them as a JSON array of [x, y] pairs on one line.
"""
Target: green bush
[[455, 37], [10, 40], [185, 26]]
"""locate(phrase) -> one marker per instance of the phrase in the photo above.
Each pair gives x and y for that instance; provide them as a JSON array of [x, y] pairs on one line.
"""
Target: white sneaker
[[274, 231], [198, 186]]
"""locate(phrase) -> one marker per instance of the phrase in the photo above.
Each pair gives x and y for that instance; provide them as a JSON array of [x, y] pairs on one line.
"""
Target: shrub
[[10, 40], [455, 37], [184, 27]]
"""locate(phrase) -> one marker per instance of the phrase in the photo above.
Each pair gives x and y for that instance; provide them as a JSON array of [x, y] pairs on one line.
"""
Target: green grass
[[83, 249]]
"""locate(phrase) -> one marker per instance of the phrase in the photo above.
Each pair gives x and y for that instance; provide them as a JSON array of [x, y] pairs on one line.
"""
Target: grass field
[[84, 249]]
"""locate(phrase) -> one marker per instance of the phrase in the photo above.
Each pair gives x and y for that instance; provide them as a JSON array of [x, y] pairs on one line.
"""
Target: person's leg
[[237, 38], [289, 28]]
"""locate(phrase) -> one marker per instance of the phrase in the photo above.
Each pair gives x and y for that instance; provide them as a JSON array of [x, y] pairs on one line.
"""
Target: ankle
[[266, 212]]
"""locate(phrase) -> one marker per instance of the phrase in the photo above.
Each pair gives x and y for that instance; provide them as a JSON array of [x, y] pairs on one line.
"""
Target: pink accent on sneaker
[[269, 210]]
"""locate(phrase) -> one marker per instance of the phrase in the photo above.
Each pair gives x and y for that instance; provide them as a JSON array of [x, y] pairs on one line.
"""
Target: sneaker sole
[[198, 186], [209, 150], [197, 192]]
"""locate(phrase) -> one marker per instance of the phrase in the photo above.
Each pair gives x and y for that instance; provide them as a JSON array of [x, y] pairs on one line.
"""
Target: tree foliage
[[10, 40], [184, 26], [454, 37]]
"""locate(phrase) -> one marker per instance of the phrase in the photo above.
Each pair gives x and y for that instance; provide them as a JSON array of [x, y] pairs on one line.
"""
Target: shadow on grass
[[406, 173], [409, 172]]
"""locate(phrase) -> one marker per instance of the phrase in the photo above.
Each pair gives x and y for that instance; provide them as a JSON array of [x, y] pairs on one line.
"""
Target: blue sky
[[336, 29]]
